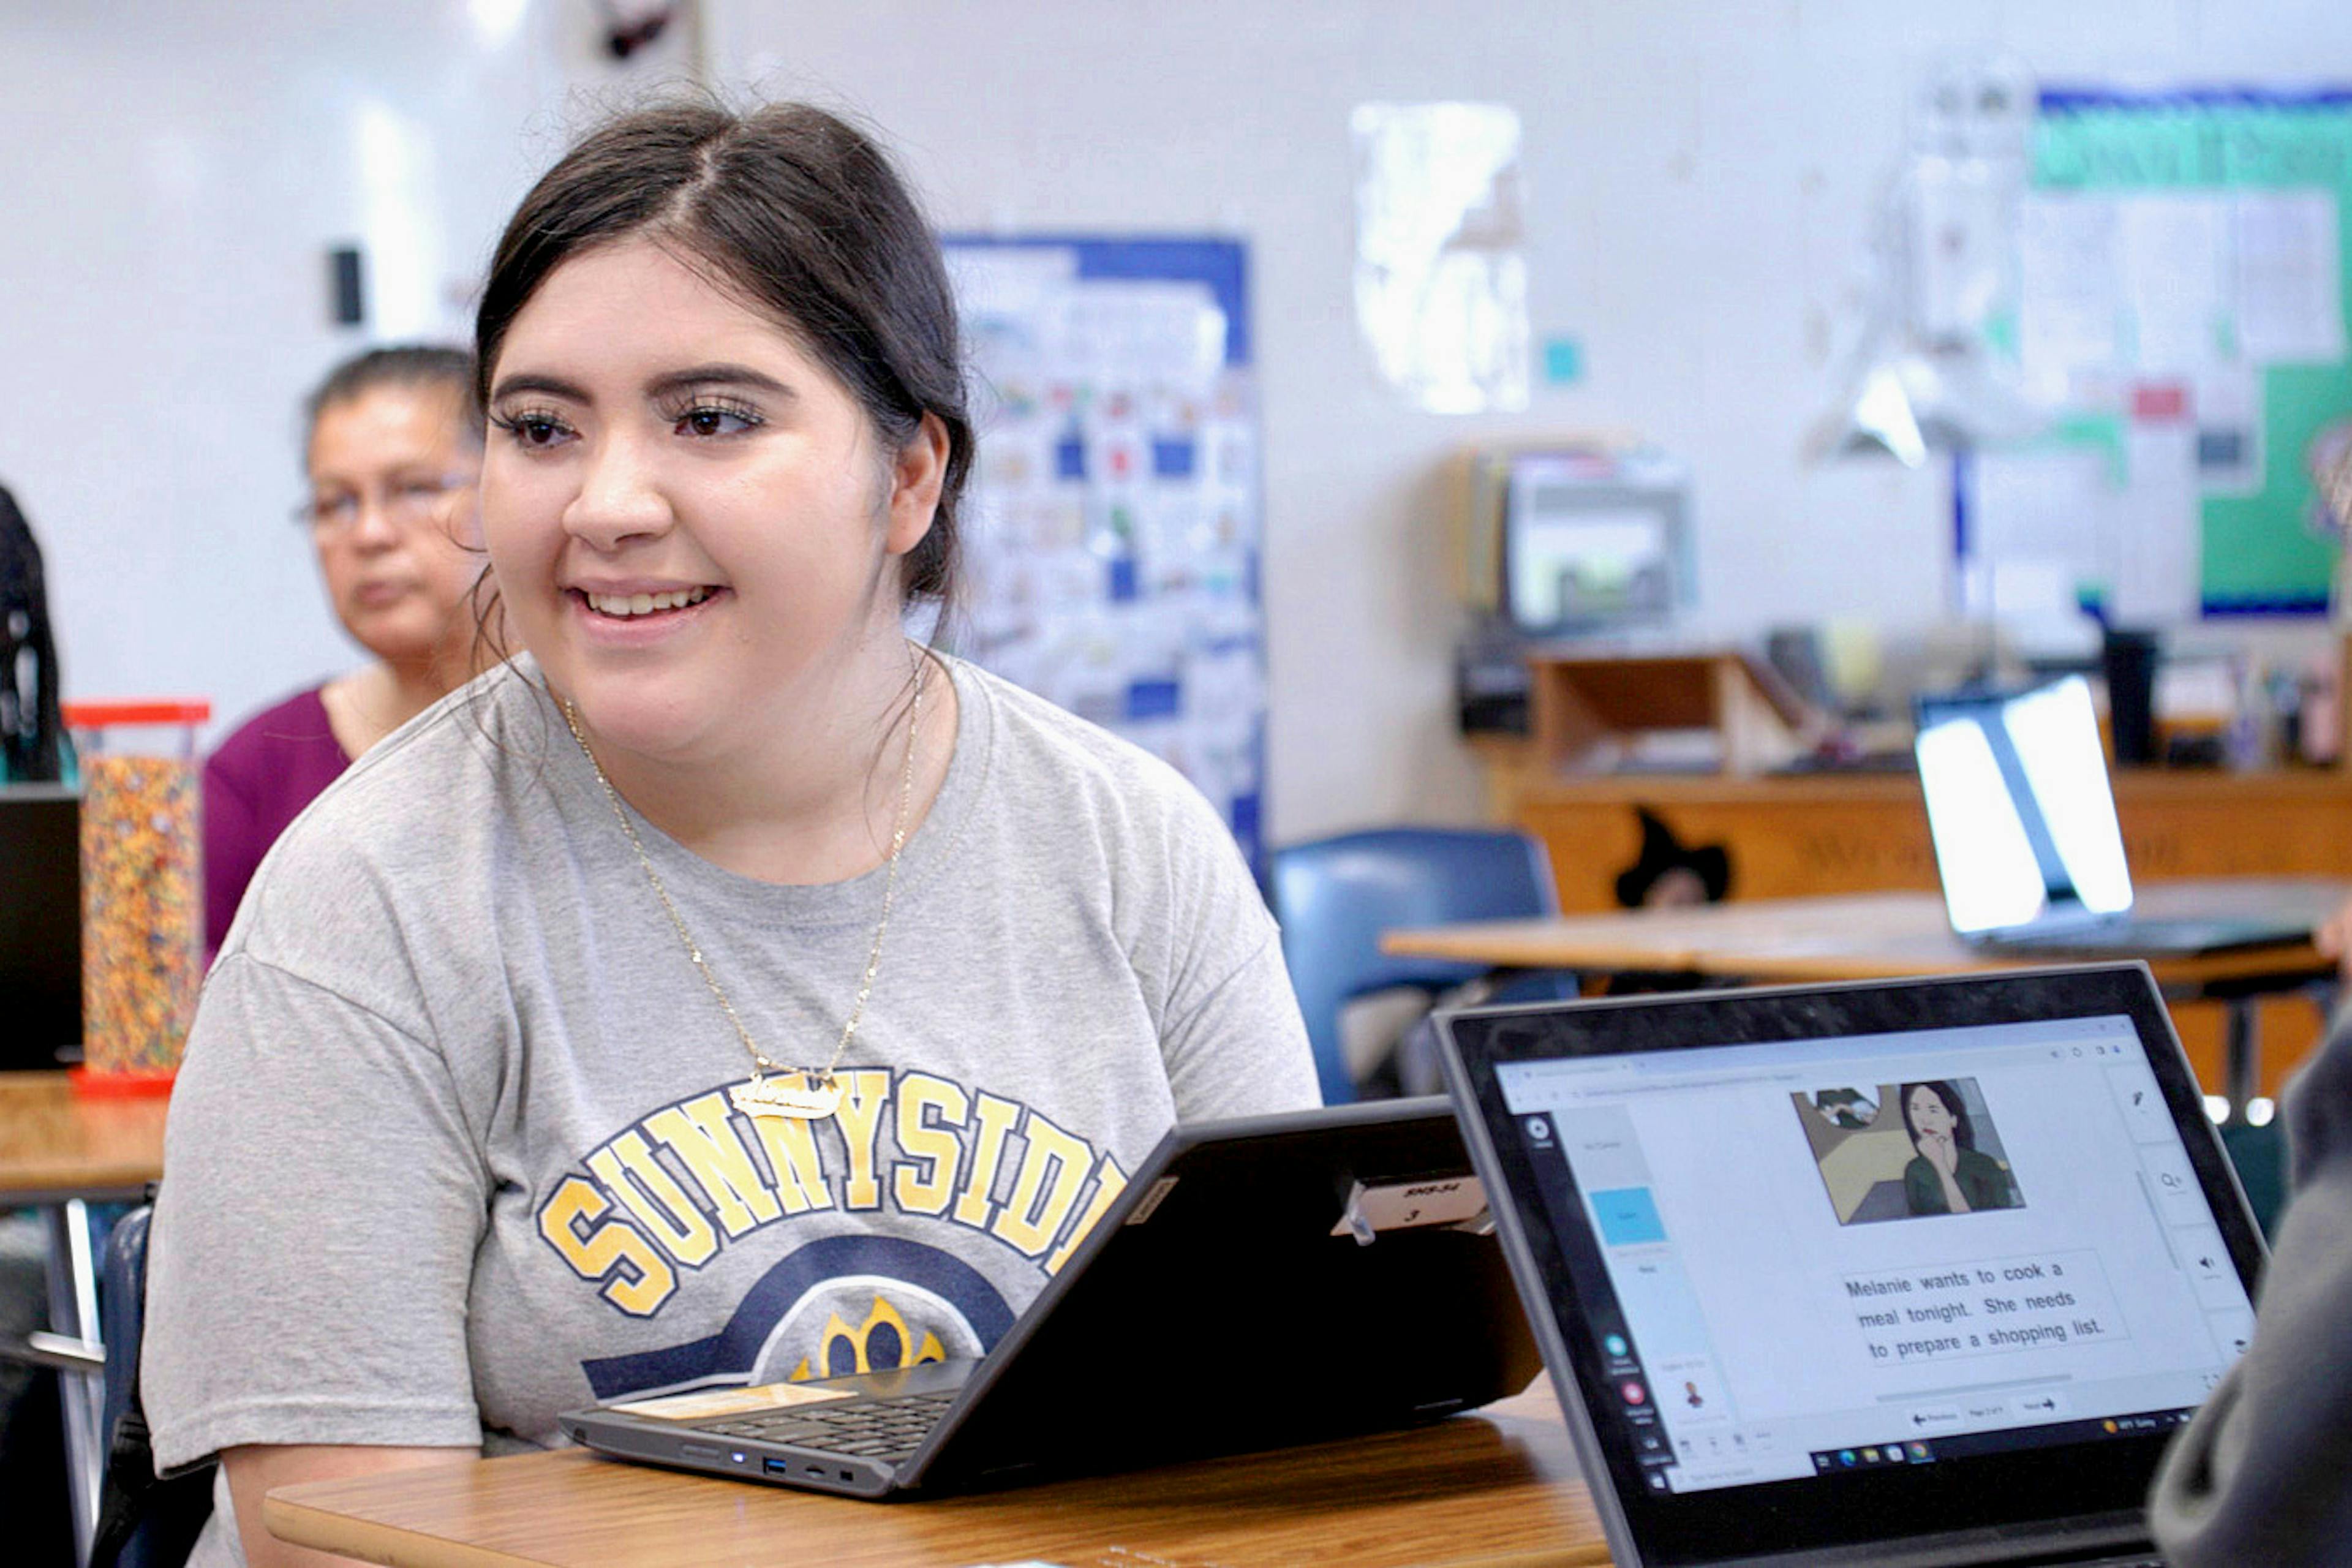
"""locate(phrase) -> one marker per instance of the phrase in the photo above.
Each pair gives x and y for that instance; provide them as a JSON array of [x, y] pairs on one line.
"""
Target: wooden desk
[[1496, 1490], [1864, 936], [56, 1145], [60, 1150]]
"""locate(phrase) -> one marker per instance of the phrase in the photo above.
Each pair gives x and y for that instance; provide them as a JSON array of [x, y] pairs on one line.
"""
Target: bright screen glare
[[2020, 809]]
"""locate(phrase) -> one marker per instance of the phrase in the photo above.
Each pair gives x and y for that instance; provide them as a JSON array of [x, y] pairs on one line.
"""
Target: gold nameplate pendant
[[802, 1096]]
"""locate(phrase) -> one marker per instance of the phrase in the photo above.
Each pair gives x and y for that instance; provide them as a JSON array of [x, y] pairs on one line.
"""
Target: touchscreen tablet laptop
[[1260, 1281], [1915, 1272], [2027, 844]]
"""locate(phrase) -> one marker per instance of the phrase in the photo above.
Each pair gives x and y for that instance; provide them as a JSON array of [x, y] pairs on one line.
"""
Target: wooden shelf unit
[[1582, 705]]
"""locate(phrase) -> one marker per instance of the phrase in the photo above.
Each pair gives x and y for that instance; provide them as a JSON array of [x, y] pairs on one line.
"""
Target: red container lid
[[136, 710], [123, 1083]]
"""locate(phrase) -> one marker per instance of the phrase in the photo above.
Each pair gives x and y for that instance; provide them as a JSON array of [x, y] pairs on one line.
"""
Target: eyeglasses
[[406, 502]]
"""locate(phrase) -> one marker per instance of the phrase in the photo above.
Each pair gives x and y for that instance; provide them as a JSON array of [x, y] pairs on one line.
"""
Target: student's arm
[[2265, 1473], [255, 1471], [1240, 1048], [1209, 958], [312, 1247]]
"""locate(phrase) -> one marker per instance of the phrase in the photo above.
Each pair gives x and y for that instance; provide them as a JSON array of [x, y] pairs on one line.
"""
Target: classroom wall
[[1700, 176], [172, 178]]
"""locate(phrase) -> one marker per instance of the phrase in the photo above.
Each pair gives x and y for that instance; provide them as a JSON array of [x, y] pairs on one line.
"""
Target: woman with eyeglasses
[[394, 447]]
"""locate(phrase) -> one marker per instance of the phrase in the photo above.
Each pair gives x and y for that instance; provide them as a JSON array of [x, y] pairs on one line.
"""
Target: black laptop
[[40, 925], [1261, 1281], [1917, 1272], [2027, 844]]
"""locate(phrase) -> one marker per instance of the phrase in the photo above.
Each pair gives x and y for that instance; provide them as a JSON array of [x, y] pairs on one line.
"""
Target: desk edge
[[351, 1535]]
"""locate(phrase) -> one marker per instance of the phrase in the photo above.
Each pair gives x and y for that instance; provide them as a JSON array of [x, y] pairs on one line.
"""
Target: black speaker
[[2130, 657], [346, 287]]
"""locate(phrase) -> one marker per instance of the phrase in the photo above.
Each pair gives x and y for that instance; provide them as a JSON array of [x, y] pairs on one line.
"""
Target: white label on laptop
[[1407, 1206], [710, 1402]]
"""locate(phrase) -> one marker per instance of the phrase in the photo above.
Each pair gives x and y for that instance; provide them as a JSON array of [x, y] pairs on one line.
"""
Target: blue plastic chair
[[1334, 896], [143, 1522], [2258, 1154], [123, 1310]]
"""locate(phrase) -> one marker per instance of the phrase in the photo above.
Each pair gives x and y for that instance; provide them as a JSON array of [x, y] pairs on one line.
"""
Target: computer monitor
[[1593, 541], [40, 925]]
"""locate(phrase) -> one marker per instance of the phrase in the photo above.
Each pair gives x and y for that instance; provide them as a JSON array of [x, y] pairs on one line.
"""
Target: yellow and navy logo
[[845, 1304], [656, 1203], [883, 1342]]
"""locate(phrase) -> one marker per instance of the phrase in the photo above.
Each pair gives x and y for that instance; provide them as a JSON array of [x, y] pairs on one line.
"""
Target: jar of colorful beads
[[141, 887]]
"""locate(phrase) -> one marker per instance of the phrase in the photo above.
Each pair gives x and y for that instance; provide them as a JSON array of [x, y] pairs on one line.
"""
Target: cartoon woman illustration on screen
[[1950, 1174]]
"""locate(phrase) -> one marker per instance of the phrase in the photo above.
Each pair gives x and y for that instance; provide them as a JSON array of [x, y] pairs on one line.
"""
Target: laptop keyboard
[[867, 1428]]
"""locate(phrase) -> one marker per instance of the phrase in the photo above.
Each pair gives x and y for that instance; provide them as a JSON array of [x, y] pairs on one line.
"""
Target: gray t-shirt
[[451, 1150], [2264, 1475]]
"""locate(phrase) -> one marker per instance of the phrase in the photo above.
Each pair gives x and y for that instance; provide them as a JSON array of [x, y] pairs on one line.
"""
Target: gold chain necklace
[[802, 1093]]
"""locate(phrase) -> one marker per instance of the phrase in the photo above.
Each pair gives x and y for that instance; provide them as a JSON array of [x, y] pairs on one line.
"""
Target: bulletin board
[[1113, 525], [2182, 297]]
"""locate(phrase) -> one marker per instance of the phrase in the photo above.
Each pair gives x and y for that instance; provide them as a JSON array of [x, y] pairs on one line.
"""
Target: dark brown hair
[[803, 215], [423, 367], [1964, 1132]]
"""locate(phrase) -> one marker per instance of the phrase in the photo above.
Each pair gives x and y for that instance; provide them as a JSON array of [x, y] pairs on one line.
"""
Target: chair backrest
[[142, 1522], [1335, 897], [123, 1310], [2259, 1156]]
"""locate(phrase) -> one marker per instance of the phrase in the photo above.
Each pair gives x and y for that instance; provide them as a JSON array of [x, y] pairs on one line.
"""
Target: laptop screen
[[1890, 1243], [2019, 807]]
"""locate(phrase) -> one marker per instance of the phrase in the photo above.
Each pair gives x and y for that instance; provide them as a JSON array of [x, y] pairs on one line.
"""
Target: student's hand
[[2334, 938], [1941, 1152]]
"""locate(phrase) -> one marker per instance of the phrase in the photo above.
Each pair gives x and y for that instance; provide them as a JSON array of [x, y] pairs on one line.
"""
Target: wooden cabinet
[[1791, 836], [1588, 707]]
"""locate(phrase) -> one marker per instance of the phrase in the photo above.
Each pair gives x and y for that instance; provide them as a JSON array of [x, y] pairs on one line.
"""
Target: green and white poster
[[2182, 304]]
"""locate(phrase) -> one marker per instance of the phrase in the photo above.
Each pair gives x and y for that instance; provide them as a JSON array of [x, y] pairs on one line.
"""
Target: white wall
[[1699, 175], [171, 179]]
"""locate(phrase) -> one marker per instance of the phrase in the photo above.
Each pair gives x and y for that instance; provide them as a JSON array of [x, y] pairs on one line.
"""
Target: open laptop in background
[[1260, 1281], [40, 925], [2027, 844], [1913, 1273]]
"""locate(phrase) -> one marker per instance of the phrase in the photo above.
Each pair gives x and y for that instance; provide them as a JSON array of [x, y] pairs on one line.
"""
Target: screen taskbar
[[1916, 1451]]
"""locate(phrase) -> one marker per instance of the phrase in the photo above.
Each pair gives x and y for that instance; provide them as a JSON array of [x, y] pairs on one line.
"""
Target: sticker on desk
[[1411, 1205], [710, 1402]]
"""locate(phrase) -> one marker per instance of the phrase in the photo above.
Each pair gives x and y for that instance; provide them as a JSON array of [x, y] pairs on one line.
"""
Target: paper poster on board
[[1113, 520]]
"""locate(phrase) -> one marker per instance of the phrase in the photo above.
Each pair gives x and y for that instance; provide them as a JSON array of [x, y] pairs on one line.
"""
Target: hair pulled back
[[802, 214], [406, 367]]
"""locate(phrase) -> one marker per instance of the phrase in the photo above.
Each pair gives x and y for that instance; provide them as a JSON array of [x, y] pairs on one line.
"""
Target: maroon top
[[256, 782]]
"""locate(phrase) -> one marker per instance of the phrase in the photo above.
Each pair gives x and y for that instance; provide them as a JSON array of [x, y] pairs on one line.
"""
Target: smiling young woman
[[698, 534], [725, 989]]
